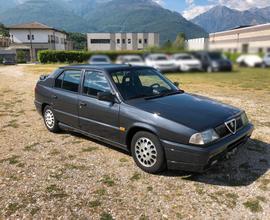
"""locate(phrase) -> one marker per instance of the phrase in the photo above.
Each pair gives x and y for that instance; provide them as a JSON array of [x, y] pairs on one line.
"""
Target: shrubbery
[[52, 56]]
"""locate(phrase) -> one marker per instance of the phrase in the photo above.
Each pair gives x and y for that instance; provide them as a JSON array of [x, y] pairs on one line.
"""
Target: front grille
[[223, 131]]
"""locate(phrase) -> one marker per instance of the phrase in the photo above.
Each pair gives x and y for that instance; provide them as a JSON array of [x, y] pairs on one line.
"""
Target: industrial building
[[121, 41], [251, 39]]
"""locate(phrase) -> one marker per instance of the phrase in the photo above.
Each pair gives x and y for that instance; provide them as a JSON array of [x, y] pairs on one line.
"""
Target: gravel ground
[[68, 176]]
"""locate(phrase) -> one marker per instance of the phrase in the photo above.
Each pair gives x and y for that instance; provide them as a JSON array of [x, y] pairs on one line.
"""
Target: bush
[[53, 56], [232, 56], [1, 60], [21, 56]]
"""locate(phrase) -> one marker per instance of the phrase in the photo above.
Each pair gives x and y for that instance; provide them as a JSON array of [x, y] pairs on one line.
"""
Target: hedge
[[53, 56]]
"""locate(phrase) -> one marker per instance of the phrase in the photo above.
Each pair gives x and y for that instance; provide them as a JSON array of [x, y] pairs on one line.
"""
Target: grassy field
[[240, 78]]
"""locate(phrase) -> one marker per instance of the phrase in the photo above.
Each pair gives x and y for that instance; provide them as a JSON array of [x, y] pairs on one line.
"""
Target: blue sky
[[192, 8]]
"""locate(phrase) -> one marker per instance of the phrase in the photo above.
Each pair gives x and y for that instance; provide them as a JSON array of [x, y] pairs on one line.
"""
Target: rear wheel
[[147, 152], [50, 120]]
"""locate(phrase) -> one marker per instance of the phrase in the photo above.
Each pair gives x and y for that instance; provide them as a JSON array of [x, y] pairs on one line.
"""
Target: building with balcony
[[33, 37]]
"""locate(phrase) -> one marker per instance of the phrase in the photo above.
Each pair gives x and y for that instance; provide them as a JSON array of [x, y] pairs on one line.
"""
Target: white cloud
[[244, 4], [194, 11], [160, 2]]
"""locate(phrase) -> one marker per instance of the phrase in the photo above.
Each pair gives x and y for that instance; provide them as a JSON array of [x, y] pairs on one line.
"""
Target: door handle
[[83, 104], [54, 97]]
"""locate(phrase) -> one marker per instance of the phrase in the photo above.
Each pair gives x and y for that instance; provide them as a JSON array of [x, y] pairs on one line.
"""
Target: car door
[[65, 97], [99, 118]]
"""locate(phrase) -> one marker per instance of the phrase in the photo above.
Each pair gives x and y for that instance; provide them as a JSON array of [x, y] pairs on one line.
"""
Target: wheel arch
[[43, 107], [135, 129]]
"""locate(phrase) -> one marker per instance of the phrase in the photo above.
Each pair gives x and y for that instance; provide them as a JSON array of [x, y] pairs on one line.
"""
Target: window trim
[[83, 79], [63, 72]]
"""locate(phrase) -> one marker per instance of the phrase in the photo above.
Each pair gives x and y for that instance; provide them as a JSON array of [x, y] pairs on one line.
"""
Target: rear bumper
[[199, 159]]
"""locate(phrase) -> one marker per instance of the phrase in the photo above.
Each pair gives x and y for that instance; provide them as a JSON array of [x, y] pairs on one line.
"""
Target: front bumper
[[199, 159]]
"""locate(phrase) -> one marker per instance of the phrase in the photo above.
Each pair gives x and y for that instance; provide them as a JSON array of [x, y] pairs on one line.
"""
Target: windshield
[[142, 83], [216, 56], [186, 57], [160, 58], [99, 59]]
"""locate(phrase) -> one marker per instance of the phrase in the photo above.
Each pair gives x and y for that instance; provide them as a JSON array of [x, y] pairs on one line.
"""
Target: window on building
[[69, 80], [118, 41], [49, 38], [145, 41], [123, 41], [28, 36], [140, 41], [57, 40], [100, 41], [129, 41], [94, 83], [33, 37], [245, 48]]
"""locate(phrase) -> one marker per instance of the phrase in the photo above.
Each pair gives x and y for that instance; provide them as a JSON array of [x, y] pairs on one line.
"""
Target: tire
[[147, 152], [49, 119]]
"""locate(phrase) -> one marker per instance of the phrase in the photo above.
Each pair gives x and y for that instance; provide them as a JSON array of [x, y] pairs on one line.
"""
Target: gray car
[[139, 110]]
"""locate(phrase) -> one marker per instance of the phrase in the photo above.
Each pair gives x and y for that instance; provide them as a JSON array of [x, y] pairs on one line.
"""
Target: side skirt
[[69, 128]]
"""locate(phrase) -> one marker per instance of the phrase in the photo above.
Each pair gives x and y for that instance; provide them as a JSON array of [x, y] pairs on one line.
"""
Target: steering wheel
[[155, 86]]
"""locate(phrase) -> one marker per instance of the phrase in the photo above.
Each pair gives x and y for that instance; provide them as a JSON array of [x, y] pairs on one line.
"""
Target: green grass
[[253, 205], [241, 78]]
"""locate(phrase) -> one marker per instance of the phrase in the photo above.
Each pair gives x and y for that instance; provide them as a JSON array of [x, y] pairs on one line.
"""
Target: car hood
[[193, 111]]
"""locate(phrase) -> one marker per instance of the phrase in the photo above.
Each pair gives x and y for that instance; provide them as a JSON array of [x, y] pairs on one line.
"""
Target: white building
[[252, 39], [121, 41], [197, 44], [35, 36]]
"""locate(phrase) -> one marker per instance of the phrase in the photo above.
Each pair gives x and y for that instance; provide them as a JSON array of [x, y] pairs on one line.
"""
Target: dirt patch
[[45, 175]]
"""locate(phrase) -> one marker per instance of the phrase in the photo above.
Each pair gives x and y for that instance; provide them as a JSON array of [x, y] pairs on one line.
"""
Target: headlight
[[244, 118], [204, 137]]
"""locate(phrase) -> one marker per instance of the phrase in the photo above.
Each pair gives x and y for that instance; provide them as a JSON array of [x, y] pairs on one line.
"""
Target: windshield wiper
[[168, 93]]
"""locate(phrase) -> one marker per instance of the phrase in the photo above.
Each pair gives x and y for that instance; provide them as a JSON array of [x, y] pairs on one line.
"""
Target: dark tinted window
[[100, 41], [59, 80], [95, 82], [69, 80]]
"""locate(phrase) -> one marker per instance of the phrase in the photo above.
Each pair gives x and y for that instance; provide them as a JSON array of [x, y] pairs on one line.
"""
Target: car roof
[[106, 67]]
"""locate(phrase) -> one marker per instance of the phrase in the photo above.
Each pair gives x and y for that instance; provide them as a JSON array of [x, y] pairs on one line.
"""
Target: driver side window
[[150, 80], [95, 82]]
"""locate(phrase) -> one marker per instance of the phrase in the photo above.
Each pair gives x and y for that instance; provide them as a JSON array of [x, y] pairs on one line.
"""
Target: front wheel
[[147, 152], [49, 119]]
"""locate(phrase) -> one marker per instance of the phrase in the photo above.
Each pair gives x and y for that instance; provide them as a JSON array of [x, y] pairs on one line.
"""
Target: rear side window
[[95, 82], [69, 80]]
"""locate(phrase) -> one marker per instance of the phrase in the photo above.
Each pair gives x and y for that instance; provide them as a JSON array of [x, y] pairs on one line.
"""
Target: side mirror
[[106, 96], [176, 84]]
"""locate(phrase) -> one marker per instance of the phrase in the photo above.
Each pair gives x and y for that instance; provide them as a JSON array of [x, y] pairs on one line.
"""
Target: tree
[[3, 30], [179, 43], [79, 40], [167, 45]]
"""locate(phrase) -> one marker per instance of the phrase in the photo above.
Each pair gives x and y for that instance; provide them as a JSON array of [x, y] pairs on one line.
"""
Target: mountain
[[222, 18], [141, 16], [263, 12], [51, 12], [102, 16], [5, 5]]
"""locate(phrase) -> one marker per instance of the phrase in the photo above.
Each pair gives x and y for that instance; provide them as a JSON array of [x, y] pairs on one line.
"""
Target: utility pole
[[31, 47]]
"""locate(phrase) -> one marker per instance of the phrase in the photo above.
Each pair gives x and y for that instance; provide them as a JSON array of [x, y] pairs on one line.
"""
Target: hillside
[[141, 16], [103, 15], [51, 12], [222, 18]]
